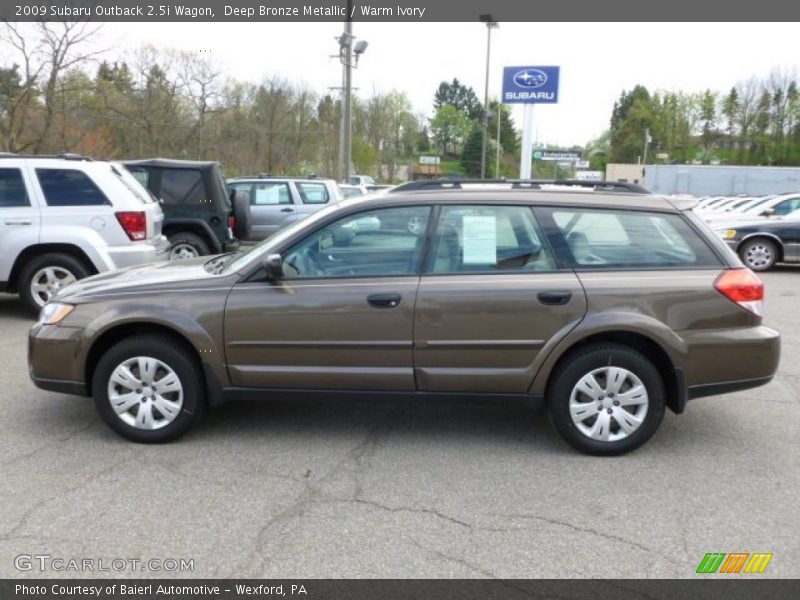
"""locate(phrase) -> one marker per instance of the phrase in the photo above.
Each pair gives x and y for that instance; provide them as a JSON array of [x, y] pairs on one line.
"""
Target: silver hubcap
[[758, 256], [608, 404], [47, 282], [179, 251], [145, 393]]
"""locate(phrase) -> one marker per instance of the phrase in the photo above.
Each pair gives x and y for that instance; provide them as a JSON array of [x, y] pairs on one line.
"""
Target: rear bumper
[[729, 360], [139, 253], [725, 387]]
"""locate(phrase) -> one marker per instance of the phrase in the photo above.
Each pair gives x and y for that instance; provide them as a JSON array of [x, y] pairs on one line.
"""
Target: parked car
[[609, 306], [361, 180], [200, 218], [64, 218], [771, 206], [276, 202], [378, 188], [353, 191], [761, 243]]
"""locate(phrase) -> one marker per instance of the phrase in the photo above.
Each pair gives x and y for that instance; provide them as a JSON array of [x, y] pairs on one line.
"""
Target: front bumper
[[53, 363]]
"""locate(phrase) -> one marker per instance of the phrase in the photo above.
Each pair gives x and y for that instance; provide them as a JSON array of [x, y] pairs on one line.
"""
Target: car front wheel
[[149, 389], [606, 399]]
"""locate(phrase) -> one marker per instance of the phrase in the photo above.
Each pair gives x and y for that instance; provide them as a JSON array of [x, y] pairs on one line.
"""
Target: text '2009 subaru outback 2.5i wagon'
[[607, 304]]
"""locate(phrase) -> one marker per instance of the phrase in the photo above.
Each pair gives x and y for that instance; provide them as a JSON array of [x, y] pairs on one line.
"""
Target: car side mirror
[[768, 213], [273, 265]]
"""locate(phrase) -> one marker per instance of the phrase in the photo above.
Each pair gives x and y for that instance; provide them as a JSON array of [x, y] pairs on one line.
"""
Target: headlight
[[54, 312], [727, 234]]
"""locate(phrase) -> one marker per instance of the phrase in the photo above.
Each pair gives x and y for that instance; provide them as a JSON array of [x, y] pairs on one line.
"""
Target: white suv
[[65, 218]]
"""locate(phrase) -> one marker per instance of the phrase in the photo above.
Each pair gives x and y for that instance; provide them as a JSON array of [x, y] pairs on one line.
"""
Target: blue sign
[[530, 85]]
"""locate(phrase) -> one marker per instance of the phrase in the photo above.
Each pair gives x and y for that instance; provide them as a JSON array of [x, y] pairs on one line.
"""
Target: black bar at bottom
[[713, 587]]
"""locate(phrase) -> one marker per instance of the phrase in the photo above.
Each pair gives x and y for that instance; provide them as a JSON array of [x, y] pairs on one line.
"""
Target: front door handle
[[18, 221], [554, 298], [383, 300], [287, 210]]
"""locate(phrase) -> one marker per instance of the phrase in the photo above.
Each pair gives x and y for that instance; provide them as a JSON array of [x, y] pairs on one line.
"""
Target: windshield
[[244, 261]]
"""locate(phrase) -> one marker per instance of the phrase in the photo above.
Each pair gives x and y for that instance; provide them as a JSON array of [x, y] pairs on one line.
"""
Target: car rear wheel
[[187, 245], [606, 399], [149, 389], [46, 275], [759, 255]]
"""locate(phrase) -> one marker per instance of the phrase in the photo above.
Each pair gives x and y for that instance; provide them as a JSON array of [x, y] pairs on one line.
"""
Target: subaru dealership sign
[[530, 85]]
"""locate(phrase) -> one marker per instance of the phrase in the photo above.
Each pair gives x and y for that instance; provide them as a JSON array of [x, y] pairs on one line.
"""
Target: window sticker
[[480, 240]]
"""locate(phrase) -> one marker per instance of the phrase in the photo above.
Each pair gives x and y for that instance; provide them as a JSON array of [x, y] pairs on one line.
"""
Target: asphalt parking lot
[[335, 489]]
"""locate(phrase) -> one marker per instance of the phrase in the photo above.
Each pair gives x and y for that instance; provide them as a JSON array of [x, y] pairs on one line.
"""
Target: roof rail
[[65, 156], [530, 184]]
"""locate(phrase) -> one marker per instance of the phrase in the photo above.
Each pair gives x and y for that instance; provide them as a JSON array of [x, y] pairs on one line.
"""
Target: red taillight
[[743, 287], [232, 223], [134, 223]]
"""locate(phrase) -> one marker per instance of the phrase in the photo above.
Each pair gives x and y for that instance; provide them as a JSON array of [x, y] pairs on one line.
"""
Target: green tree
[[450, 126], [632, 115], [461, 96]]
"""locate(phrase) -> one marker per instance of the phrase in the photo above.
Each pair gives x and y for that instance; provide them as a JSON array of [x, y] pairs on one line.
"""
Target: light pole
[[490, 24], [348, 56]]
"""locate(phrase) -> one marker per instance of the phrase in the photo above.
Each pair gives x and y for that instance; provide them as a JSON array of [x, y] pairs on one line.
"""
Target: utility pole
[[490, 24], [346, 56]]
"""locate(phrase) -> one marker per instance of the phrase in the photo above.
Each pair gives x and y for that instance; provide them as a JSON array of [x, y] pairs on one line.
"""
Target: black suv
[[200, 217]]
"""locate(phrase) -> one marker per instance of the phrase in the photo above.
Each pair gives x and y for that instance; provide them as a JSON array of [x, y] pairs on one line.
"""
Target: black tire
[[759, 254], [179, 358], [242, 216], [188, 240], [583, 362], [59, 261]]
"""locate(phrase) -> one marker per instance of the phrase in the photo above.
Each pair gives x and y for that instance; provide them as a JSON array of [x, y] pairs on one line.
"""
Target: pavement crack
[[421, 511], [23, 521], [44, 447], [588, 530]]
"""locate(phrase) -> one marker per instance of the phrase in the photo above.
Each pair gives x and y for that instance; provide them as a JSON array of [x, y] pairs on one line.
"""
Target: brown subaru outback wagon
[[608, 305]]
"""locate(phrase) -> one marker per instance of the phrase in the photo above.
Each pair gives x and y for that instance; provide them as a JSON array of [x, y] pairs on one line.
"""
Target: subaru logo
[[530, 78]]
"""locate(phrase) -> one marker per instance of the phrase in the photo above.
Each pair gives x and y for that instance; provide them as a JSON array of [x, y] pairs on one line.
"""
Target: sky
[[597, 60]]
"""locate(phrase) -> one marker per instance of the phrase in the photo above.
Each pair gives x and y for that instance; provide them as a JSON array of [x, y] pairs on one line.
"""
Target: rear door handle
[[18, 221], [287, 210], [384, 300], [556, 298]]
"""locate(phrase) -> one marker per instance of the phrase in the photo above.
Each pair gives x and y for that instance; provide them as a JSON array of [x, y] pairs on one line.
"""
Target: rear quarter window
[[620, 239], [69, 187]]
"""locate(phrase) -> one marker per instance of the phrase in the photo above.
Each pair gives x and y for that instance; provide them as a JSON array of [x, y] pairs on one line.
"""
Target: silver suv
[[65, 218], [276, 202]]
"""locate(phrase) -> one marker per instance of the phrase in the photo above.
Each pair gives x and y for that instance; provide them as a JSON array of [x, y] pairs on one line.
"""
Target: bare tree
[[45, 52]]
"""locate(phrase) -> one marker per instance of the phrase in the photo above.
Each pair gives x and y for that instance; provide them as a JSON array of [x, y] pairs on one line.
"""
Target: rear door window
[[486, 239], [12, 189], [270, 193], [69, 187], [614, 239]]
